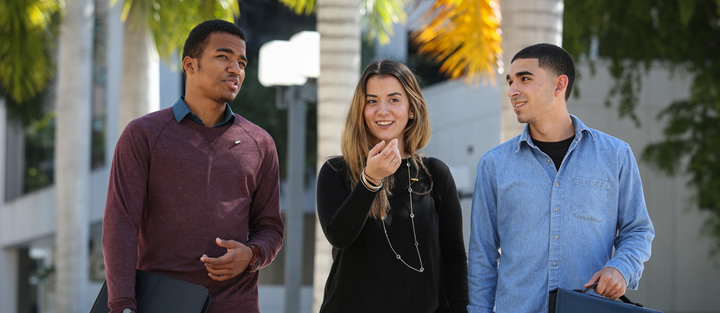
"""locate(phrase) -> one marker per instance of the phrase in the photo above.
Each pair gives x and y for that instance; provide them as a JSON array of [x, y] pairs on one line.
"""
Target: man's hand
[[611, 284], [229, 265]]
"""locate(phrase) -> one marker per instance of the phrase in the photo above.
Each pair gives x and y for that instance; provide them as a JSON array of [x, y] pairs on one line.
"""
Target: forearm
[[342, 214]]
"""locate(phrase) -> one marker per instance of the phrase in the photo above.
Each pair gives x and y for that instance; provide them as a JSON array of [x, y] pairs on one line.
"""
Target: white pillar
[[525, 23], [338, 22], [72, 155], [114, 52], [8, 257], [140, 87], [295, 209]]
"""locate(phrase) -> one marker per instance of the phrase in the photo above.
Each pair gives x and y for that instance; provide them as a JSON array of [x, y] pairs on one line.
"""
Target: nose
[[384, 107], [234, 68], [512, 92]]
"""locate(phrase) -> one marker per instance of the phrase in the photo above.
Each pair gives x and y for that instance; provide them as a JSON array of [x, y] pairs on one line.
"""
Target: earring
[[412, 115]]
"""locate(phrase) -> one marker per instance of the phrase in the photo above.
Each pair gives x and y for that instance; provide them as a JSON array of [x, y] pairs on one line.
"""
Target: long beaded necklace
[[412, 220]]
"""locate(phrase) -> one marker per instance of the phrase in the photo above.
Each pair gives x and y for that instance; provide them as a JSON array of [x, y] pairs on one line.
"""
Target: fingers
[[611, 284], [377, 148], [229, 244], [592, 280]]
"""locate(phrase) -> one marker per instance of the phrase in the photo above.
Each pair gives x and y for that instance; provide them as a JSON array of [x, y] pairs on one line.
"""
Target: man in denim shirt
[[555, 200]]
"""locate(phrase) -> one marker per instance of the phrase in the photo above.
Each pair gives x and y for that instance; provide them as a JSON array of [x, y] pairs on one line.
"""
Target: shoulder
[[436, 166], [604, 139], [148, 126], [257, 133], [503, 151], [336, 164]]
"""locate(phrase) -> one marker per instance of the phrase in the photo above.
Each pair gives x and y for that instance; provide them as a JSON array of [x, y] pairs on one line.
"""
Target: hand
[[383, 160], [611, 284], [229, 265]]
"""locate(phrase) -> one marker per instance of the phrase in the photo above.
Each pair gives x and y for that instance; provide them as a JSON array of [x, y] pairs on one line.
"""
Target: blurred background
[[73, 73]]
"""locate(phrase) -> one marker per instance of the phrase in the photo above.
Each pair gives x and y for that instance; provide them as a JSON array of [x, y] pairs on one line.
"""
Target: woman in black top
[[393, 217]]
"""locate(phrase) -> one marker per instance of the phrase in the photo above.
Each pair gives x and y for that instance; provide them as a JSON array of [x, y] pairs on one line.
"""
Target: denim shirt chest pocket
[[590, 199]]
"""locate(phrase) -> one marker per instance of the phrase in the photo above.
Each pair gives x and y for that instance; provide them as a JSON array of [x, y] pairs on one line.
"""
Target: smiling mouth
[[519, 104], [384, 123]]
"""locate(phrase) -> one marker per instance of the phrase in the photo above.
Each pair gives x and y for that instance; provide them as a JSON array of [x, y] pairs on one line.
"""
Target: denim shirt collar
[[181, 110], [577, 123]]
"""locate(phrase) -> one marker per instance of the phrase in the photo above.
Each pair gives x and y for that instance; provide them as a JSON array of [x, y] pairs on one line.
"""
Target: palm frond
[[26, 64], [170, 21], [464, 35], [305, 7], [378, 17]]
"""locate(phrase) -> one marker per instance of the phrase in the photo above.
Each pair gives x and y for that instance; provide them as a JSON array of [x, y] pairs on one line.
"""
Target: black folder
[[155, 293]]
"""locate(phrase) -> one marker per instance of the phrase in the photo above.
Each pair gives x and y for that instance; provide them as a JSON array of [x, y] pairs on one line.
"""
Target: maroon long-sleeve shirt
[[175, 187]]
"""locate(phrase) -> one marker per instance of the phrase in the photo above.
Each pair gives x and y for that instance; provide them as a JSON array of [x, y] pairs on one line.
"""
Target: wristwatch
[[127, 311], [256, 260]]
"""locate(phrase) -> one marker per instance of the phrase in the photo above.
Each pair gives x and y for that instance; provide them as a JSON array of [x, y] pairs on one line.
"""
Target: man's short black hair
[[553, 58], [197, 40]]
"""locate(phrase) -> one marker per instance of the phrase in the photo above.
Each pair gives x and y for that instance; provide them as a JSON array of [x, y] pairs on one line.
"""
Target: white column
[[338, 22], [525, 23], [140, 87], [295, 209], [72, 155], [8, 257], [114, 55]]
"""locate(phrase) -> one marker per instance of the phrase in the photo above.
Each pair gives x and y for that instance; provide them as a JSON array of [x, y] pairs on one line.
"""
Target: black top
[[365, 274], [555, 150]]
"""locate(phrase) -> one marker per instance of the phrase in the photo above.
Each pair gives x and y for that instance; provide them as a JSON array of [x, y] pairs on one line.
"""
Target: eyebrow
[[390, 95], [518, 74], [230, 51]]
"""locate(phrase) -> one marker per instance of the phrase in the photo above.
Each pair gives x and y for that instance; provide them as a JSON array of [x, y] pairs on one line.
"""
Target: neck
[[210, 112], [553, 130]]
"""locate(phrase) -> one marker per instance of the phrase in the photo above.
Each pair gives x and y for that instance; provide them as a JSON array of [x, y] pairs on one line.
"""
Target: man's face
[[221, 68], [531, 90]]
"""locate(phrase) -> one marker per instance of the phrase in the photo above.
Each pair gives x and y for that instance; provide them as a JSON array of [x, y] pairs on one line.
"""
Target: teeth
[[519, 104], [384, 123]]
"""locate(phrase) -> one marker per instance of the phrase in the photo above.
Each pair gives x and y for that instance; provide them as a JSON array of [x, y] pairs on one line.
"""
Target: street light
[[288, 65]]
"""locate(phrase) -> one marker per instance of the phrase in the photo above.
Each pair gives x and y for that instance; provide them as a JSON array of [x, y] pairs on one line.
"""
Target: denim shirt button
[[555, 264], [557, 209]]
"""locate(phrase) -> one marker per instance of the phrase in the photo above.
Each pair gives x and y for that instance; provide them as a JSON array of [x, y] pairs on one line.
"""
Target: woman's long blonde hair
[[357, 140]]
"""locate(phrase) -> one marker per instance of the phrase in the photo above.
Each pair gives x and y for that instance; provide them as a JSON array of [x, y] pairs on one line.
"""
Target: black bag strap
[[622, 298]]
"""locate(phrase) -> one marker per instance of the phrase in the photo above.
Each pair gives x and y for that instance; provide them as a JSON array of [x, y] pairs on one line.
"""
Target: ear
[[561, 83], [189, 65]]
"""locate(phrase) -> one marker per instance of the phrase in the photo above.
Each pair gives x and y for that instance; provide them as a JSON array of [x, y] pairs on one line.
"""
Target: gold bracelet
[[372, 179], [367, 185]]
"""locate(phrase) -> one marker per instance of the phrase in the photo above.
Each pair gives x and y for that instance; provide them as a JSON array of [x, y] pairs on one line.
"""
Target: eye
[[371, 101], [242, 65], [525, 79]]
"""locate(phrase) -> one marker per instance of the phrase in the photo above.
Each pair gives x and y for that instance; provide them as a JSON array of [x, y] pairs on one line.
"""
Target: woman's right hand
[[383, 160]]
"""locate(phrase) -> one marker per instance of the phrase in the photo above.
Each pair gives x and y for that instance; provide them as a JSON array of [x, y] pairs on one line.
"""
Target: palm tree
[[72, 154]]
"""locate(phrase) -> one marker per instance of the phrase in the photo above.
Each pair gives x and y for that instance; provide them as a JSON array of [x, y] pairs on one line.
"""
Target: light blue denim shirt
[[181, 111], [555, 228]]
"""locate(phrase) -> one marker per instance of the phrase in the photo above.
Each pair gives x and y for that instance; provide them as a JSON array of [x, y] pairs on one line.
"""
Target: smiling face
[[387, 109], [532, 91], [218, 73]]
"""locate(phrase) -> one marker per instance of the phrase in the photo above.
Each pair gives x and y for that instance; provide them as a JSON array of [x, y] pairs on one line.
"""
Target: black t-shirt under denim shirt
[[555, 150]]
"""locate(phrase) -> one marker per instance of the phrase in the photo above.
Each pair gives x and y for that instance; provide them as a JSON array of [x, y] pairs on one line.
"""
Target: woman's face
[[387, 109]]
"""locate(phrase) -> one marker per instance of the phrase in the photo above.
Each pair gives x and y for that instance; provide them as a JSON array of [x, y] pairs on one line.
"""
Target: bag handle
[[622, 298]]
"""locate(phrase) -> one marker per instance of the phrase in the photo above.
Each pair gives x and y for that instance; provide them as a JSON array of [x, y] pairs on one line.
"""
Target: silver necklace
[[412, 220]]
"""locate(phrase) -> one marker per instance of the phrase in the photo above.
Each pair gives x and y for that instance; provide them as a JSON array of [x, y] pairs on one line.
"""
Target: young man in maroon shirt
[[194, 189]]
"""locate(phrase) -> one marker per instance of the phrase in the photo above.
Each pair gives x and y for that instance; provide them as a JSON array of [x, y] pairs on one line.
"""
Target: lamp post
[[288, 65]]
